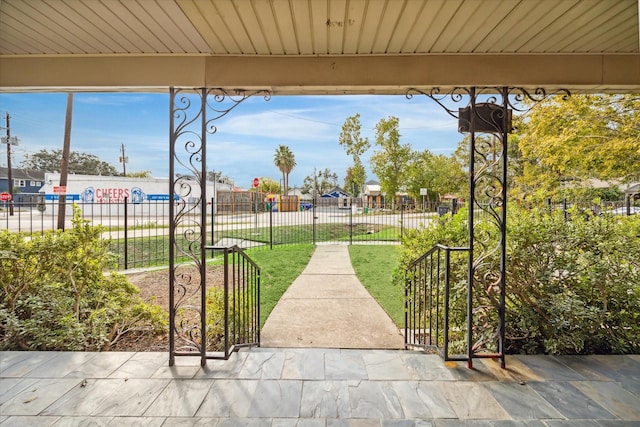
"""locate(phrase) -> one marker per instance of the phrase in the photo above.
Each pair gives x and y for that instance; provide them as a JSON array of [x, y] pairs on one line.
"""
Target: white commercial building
[[97, 195]]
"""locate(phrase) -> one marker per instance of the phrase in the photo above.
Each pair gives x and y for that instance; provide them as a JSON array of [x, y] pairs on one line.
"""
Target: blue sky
[[245, 142]]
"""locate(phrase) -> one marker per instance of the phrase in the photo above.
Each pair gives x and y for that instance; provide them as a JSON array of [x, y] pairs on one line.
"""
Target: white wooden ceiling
[[315, 28]]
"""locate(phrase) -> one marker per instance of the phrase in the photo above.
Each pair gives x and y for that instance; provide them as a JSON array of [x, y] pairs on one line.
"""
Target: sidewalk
[[327, 307]]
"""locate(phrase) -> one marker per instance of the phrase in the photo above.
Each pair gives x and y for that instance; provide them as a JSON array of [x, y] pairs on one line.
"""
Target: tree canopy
[[79, 163], [390, 161], [139, 174], [269, 185], [439, 174], [564, 143], [355, 146], [322, 181]]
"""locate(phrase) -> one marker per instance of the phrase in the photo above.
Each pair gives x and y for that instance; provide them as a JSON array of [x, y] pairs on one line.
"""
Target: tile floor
[[316, 387]]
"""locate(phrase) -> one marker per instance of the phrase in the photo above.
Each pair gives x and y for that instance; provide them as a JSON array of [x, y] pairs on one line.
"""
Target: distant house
[[373, 195], [336, 197], [26, 184], [633, 190], [335, 193]]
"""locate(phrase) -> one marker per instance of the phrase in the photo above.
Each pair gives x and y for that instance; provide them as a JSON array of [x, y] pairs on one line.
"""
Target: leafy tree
[[439, 174], [355, 146], [285, 161], [389, 163], [139, 174], [322, 182], [354, 180], [268, 185], [515, 160], [564, 143], [79, 163]]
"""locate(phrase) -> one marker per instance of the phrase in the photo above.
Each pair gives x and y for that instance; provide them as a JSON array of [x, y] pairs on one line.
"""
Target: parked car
[[305, 206], [633, 210]]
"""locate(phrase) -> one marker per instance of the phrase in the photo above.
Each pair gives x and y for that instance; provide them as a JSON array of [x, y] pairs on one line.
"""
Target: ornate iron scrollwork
[[487, 112], [193, 113]]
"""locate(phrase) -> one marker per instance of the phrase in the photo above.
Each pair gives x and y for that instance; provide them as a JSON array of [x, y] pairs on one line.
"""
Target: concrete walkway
[[327, 307]]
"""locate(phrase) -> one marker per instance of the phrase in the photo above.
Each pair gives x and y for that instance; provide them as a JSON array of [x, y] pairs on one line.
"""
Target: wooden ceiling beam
[[325, 74]]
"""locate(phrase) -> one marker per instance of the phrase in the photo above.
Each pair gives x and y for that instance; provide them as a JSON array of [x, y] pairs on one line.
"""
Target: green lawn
[[374, 267], [304, 233], [280, 266], [150, 251], [278, 269]]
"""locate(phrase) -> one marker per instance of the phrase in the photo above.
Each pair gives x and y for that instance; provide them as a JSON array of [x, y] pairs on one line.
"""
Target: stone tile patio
[[316, 387]]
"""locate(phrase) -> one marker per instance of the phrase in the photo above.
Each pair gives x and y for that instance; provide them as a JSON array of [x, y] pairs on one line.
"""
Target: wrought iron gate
[[429, 285], [193, 113]]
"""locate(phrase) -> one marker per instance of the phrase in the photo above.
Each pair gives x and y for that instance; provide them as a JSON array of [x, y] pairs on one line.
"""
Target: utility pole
[[9, 174], [123, 160], [64, 166]]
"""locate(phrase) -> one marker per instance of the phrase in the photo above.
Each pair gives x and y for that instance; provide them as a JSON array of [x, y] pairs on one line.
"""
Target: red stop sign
[[256, 182], [5, 197]]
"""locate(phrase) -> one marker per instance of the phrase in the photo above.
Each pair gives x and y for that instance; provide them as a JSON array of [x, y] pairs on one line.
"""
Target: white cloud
[[275, 124]]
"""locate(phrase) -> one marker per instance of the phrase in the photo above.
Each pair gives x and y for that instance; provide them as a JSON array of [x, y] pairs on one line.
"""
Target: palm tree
[[285, 161]]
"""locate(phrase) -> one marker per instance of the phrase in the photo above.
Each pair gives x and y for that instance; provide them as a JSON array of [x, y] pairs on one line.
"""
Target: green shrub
[[54, 294], [239, 321], [573, 287]]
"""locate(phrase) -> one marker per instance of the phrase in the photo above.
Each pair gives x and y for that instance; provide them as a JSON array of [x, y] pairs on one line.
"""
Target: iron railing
[[238, 325], [263, 225], [242, 299], [623, 207], [139, 232], [432, 282]]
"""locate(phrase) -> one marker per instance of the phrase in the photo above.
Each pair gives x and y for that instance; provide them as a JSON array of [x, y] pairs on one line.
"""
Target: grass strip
[[278, 269], [374, 265]]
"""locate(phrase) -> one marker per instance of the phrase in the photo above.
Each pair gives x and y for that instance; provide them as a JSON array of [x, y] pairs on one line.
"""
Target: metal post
[[447, 265], [472, 200], [126, 234], [189, 124], [172, 227], [503, 228], [270, 225], [9, 175], [350, 222], [213, 217], [406, 308], [402, 220], [226, 300], [203, 227], [255, 209], [315, 218], [627, 203]]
